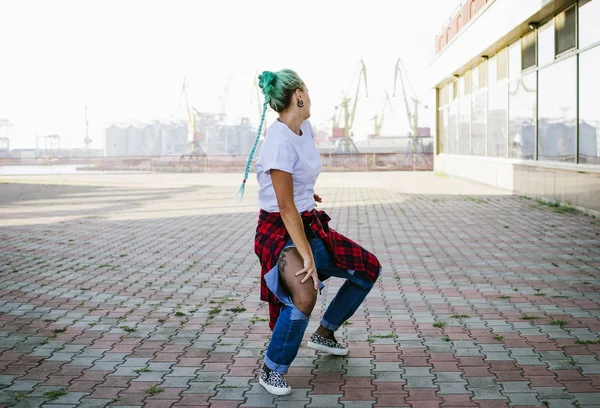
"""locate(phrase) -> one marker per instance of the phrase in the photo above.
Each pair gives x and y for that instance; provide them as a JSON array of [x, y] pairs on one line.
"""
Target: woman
[[296, 248]]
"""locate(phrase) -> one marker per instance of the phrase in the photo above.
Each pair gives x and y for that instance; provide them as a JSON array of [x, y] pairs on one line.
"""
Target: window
[[468, 82], [557, 111], [497, 121], [483, 74], [522, 116], [475, 79], [546, 44], [514, 60], [589, 16], [478, 123], [566, 30], [453, 128], [444, 95], [473, 10], [442, 148], [458, 23], [448, 35], [464, 125], [589, 114], [528, 51], [502, 64], [492, 67]]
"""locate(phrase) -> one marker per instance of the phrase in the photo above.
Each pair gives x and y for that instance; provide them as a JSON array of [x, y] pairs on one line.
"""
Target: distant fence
[[227, 164]]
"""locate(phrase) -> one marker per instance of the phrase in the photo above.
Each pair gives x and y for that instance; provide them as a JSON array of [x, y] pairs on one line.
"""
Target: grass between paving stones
[[237, 309], [581, 341], [504, 297], [255, 319], [347, 323], [529, 317], [55, 394], [475, 200], [445, 338], [19, 396], [143, 370], [128, 329], [498, 337], [439, 325], [384, 336], [460, 316], [179, 313], [558, 322], [558, 208], [154, 389], [213, 312]]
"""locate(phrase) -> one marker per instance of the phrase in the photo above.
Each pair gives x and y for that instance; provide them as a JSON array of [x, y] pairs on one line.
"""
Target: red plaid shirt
[[271, 236]]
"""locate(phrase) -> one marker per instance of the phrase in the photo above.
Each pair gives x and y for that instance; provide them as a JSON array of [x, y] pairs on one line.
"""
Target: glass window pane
[[478, 124], [453, 129], [461, 86], [464, 126], [528, 50], [546, 44], [589, 16], [497, 121], [444, 95], [502, 70], [558, 111], [443, 115], [522, 115], [492, 71], [468, 82], [475, 79], [514, 60], [589, 114], [566, 30], [483, 74]]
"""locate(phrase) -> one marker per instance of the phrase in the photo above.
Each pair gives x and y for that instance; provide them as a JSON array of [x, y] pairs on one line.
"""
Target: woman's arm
[[284, 191]]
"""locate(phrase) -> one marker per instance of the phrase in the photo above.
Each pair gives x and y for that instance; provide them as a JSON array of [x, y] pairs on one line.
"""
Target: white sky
[[128, 58]]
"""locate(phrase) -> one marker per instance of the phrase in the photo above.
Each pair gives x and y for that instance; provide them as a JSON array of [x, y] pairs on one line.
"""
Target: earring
[[300, 103]]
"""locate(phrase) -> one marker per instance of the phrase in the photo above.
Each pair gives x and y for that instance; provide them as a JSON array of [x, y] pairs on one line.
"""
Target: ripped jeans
[[291, 324]]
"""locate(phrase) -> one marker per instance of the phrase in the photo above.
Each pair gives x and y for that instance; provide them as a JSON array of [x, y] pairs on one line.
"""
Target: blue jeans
[[291, 324]]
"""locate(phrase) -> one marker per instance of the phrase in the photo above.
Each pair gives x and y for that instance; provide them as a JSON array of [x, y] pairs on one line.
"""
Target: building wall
[[525, 118], [152, 139]]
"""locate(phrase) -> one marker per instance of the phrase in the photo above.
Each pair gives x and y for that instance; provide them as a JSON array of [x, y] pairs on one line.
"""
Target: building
[[515, 86], [146, 139], [234, 140]]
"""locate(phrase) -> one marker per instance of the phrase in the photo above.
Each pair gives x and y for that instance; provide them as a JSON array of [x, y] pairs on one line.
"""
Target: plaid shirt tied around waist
[[271, 236]]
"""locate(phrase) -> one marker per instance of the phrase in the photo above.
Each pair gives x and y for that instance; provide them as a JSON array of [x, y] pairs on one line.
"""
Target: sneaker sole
[[274, 390], [330, 350]]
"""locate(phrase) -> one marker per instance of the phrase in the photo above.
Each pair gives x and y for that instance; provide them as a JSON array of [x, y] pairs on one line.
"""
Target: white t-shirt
[[284, 150]]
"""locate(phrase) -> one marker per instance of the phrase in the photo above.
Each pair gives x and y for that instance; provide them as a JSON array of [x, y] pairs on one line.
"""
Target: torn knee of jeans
[[298, 315]]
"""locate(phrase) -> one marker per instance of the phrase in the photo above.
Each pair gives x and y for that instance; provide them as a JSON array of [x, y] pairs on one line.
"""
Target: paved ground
[[142, 290]]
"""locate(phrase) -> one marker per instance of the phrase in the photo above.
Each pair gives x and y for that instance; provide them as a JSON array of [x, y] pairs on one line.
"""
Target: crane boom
[[398, 71], [363, 71]]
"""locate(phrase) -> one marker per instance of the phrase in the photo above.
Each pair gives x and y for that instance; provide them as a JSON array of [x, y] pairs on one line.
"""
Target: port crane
[[378, 121], [349, 115], [412, 115]]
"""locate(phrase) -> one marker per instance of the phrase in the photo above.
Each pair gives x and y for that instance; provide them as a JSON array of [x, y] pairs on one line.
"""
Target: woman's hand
[[310, 271], [317, 198]]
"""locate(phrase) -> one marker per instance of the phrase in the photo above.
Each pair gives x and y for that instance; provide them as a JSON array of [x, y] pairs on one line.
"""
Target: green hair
[[278, 88]]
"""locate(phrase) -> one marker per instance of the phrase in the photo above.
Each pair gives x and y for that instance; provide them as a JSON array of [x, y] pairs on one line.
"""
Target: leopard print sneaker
[[330, 346], [274, 382]]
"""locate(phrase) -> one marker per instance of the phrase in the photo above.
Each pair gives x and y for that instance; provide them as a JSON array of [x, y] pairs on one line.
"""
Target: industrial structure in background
[[377, 120], [412, 115], [146, 139], [344, 135], [4, 140]]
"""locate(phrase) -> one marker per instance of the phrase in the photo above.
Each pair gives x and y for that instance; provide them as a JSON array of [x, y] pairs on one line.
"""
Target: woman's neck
[[292, 120]]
